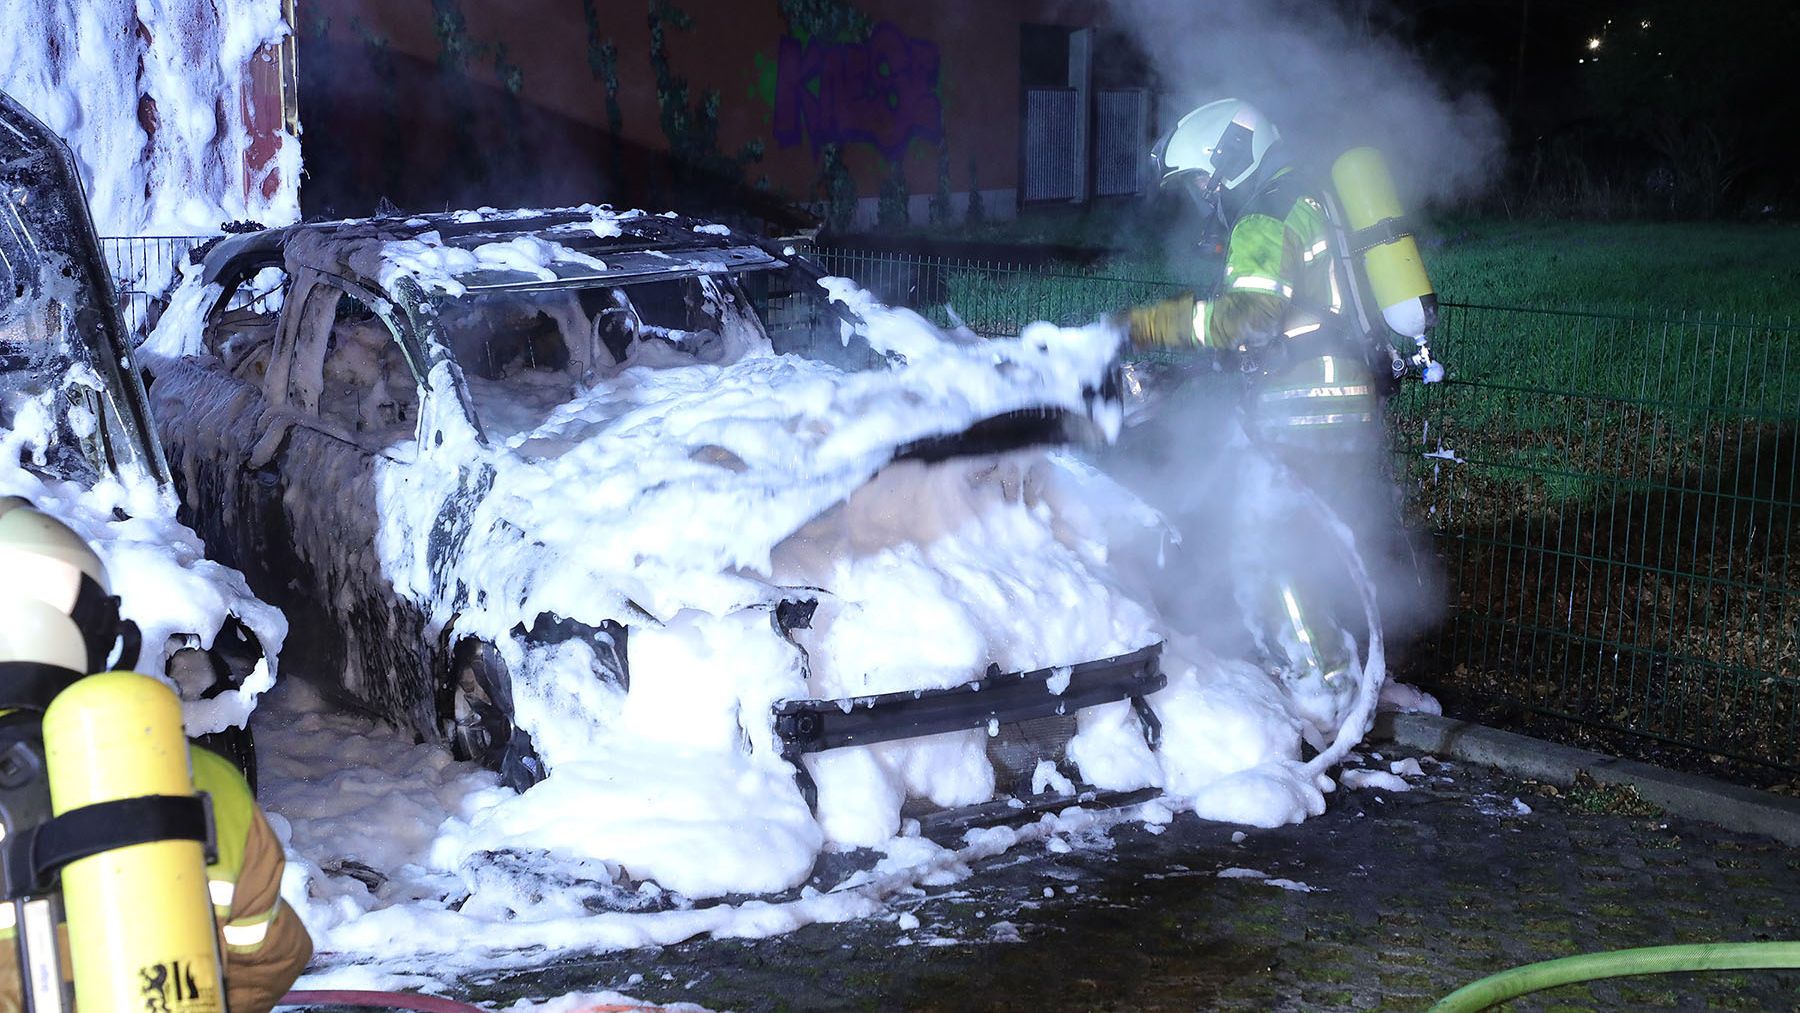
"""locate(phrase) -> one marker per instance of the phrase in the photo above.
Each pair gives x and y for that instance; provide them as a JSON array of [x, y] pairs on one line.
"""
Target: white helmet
[[1217, 146], [55, 612]]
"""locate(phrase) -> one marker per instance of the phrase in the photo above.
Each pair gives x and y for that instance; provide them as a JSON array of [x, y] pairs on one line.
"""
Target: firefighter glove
[[1166, 324]]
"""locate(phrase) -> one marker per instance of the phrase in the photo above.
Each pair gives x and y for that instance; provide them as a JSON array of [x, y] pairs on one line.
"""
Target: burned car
[[530, 482], [76, 440]]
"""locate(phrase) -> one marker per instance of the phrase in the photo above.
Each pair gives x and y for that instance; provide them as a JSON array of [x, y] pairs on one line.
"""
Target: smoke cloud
[[1330, 78], [1248, 514]]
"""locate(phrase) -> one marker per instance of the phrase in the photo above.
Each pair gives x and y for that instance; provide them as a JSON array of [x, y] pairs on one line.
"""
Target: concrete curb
[[1727, 805]]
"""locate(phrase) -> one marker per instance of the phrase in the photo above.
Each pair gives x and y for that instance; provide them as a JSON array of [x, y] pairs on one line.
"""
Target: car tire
[[476, 713]]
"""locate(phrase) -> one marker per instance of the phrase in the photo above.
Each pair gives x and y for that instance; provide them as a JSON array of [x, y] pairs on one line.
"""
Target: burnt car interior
[[583, 331], [367, 387], [242, 326]]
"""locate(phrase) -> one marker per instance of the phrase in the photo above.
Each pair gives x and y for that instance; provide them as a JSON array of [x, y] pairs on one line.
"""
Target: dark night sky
[[1671, 75]]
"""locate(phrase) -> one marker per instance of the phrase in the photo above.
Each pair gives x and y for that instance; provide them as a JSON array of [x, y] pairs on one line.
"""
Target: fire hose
[[1498, 988], [424, 1003]]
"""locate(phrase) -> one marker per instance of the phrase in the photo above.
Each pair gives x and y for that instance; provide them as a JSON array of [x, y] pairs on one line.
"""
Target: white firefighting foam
[[148, 97], [154, 564], [673, 793]]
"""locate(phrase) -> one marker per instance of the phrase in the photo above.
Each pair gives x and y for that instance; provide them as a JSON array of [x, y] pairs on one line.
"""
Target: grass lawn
[[1637, 267], [1709, 268]]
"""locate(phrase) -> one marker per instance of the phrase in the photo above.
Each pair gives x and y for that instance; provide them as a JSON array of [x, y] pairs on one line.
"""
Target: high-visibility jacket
[[1282, 302], [264, 945]]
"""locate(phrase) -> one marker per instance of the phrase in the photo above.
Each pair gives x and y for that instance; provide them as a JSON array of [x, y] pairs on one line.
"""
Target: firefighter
[[57, 623], [1282, 309], [1283, 313]]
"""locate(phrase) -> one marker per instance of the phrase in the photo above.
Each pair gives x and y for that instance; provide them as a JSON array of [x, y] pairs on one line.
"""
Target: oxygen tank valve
[[1430, 370]]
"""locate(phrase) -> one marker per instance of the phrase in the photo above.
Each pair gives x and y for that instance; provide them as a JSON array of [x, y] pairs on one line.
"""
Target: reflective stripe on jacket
[[1316, 399], [1278, 256]]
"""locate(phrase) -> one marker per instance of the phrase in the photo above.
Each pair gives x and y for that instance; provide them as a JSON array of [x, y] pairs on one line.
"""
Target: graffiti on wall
[[882, 90]]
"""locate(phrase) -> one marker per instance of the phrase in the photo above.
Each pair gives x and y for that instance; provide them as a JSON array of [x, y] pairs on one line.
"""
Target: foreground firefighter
[[108, 880], [1315, 277]]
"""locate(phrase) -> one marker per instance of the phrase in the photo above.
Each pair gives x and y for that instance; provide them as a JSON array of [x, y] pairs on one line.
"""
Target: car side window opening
[[494, 338], [350, 372], [793, 311], [525, 353], [522, 353], [241, 331]]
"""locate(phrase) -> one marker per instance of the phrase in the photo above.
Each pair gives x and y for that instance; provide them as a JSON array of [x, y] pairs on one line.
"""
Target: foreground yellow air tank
[[141, 933], [1401, 288]]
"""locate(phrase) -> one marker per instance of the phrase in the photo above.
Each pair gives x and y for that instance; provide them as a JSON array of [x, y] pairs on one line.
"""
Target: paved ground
[[1405, 897]]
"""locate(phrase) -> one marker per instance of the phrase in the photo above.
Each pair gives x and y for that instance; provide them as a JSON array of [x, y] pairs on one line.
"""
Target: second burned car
[[514, 476], [76, 442]]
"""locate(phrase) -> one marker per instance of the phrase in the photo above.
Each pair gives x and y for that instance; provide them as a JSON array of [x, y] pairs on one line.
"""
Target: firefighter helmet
[[1217, 146], [55, 611]]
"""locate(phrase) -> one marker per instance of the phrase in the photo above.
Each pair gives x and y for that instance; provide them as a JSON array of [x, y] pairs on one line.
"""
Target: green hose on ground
[[1498, 988]]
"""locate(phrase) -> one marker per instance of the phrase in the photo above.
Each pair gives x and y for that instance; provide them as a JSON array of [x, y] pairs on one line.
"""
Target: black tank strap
[[1385, 231], [31, 685], [40, 855], [96, 614]]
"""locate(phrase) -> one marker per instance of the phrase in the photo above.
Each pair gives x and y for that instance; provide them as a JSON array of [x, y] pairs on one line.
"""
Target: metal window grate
[[144, 268], [1121, 141], [1053, 169]]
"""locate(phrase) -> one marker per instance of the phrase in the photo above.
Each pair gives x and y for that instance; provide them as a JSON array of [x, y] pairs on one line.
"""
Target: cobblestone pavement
[[1389, 901]]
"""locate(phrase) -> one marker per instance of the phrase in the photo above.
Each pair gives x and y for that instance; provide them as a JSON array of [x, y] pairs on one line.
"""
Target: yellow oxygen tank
[[1401, 288], [141, 933]]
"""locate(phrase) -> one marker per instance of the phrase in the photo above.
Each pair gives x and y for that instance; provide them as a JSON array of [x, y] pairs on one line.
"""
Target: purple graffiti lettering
[[883, 92]]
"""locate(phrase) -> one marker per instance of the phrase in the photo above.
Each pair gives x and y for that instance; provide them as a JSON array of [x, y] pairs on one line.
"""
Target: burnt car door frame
[[378, 641]]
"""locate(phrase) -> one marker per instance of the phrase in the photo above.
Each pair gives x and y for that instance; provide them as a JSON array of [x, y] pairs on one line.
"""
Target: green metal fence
[[1612, 498], [990, 297]]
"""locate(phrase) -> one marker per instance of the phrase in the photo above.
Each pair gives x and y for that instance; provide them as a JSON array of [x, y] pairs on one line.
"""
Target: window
[[525, 353], [49, 404], [367, 389], [347, 369], [241, 332]]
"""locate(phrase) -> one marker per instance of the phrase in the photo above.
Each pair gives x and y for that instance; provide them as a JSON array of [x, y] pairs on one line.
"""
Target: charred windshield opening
[[525, 353]]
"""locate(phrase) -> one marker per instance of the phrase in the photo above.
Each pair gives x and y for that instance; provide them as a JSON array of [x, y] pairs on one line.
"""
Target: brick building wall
[[850, 107]]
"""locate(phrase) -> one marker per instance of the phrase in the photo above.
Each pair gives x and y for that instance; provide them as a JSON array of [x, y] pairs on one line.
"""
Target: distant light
[[1582, 60], [1643, 24], [1593, 44]]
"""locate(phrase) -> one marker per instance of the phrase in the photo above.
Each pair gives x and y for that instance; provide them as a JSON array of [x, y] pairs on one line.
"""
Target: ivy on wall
[[836, 20], [941, 210], [691, 126], [603, 64], [891, 206], [456, 51], [977, 206], [838, 188]]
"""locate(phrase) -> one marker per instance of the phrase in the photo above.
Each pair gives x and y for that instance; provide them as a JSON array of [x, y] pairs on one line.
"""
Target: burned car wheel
[[477, 717]]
